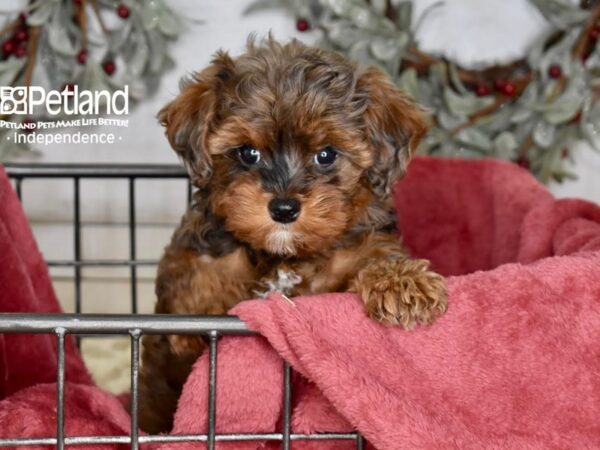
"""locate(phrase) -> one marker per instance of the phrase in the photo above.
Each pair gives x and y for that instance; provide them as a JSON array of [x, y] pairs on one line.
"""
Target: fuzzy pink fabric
[[25, 286], [514, 364], [28, 361]]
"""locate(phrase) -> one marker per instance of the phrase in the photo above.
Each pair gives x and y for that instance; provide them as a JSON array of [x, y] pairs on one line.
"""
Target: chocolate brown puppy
[[294, 151]]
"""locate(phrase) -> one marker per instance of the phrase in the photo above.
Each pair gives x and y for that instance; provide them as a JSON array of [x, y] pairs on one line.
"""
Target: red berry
[[554, 71], [20, 51], [509, 89], [302, 25], [564, 152], [23, 17], [595, 33], [499, 84], [123, 11], [482, 90], [109, 67], [69, 87], [22, 35], [8, 47], [78, 2], [82, 56]]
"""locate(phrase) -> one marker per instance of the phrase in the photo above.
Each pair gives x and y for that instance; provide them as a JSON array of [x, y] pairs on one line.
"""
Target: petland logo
[[70, 101]]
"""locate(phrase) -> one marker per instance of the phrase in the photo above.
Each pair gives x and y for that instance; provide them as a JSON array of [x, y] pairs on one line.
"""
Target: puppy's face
[[292, 143]]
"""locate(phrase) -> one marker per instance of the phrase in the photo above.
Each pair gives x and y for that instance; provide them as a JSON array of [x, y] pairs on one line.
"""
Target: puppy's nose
[[284, 210]]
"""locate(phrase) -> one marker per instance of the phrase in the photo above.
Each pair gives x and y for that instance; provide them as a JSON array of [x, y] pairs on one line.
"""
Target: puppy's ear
[[395, 125], [188, 118]]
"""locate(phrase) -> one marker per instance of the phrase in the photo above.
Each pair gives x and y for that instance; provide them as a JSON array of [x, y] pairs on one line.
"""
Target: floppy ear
[[188, 118], [395, 125]]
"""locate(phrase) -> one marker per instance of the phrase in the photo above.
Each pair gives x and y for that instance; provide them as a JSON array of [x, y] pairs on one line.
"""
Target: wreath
[[531, 111], [92, 44]]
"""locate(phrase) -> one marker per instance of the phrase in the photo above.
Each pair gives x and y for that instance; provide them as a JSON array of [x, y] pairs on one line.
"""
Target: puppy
[[294, 152]]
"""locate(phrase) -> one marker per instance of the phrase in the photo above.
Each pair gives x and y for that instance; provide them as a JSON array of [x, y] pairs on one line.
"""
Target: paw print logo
[[13, 100]]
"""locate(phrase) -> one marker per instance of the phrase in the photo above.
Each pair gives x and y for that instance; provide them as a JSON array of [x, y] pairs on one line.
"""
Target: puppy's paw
[[402, 292]]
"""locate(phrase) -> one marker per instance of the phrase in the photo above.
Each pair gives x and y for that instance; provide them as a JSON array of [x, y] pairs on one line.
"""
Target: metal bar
[[189, 192], [121, 323], [135, 368], [132, 242], [95, 170], [60, 389], [212, 389], [102, 263], [27, 442], [77, 244], [360, 442], [287, 404], [246, 437], [90, 440], [18, 189]]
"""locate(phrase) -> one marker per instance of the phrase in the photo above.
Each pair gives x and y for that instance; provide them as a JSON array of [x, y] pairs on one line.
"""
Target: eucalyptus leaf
[[562, 13], [543, 134], [58, 37], [474, 138], [409, 83], [42, 13], [455, 79], [137, 64], [259, 5], [169, 23], [119, 37], [342, 8], [379, 6], [385, 49], [521, 115], [465, 104], [590, 125], [505, 145], [360, 52], [404, 11], [567, 104], [449, 121], [150, 14], [343, 34], [9, 70], [158, 50]]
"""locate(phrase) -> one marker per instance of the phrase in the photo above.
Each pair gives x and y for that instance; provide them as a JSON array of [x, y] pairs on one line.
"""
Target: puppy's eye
[[325, 157], [248, 155]]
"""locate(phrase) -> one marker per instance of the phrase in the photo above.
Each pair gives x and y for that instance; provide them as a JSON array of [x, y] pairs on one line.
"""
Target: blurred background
[[471, 34]]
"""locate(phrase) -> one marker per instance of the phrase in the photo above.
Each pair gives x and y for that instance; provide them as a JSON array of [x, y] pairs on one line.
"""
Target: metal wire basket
[[133, 325]]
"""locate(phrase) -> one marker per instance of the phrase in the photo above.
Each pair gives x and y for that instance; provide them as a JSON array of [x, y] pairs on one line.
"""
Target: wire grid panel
[[134, 325], [77, 172]]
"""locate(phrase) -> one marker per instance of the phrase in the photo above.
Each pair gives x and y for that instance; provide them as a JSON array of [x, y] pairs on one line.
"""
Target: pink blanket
[[514, 364]]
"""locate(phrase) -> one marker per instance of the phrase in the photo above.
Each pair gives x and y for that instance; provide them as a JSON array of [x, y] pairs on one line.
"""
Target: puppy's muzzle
[[284, 210]]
